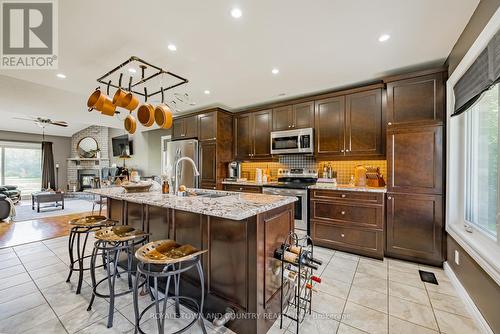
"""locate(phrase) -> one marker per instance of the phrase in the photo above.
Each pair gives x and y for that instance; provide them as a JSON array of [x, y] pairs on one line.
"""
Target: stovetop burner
[[295, 178]]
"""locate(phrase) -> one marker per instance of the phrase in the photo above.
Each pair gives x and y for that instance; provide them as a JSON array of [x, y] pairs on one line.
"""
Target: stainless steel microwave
[[292, 141]]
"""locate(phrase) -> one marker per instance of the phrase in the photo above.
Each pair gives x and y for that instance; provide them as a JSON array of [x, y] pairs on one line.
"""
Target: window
[[21, 166], [481, 189]]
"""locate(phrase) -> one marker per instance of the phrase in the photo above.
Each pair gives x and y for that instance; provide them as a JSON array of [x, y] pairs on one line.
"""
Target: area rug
[[71, 205]]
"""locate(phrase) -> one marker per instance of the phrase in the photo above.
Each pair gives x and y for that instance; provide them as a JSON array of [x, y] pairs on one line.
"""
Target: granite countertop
[[345, 187], [235, 205], [248, 183]]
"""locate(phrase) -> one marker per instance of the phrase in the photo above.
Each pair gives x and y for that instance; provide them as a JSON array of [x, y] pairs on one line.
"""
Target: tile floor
[[357, 295]]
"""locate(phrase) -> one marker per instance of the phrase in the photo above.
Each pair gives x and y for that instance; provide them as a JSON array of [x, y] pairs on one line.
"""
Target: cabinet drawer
[[355, 240], [350, 214], [339, 195], [243, 188]]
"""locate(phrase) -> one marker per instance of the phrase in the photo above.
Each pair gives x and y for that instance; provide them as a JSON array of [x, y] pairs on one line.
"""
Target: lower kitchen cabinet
[[243, 188], [415, 227], [348, 221]]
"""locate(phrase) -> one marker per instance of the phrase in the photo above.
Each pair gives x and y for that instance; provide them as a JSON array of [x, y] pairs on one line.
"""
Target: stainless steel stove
[[294, 182]]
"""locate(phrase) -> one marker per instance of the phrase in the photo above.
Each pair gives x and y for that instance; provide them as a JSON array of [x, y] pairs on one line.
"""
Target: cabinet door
[[364, 123], [329, 119], [415, 227], [178, 130], [191, 127], [417, 100], [243, 143], [282, 118], [208, 164], [207, 126], [261, 133], [415, 160], [303, 115]]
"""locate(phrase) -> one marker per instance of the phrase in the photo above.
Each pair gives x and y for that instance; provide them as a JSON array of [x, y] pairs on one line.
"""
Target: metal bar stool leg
[[136, 300], [111, 283], [202, 285], [165, 302], [177, 279], [157, 307], [92, 276], [71, 243]]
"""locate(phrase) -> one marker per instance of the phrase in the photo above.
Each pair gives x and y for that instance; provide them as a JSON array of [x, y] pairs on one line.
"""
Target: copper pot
[[146, 114], [96, 100], [119, 98], [163, 116], [129, 102], [130, 124], [107, 108]]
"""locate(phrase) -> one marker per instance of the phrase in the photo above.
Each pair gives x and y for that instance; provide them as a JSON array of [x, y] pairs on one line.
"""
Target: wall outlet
[[457, 257]]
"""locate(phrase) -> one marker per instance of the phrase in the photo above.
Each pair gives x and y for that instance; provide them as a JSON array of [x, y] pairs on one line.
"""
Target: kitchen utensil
[[130, 124], [96, 100], [108, 108], [125, 100], [119, 98], [163, 116], [146, 114]]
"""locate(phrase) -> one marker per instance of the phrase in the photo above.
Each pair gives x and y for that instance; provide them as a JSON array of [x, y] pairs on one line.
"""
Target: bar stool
[[165, 259], [83, 226], [111, 242]]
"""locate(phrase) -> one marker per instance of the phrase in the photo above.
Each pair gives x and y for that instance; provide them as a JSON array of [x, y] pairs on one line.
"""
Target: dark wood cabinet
[[243, 188], [207, 126], [415, 160], [329, 119], [416, 100], [208, 164], [365, 133], [252, 135], [349, 221], [297, 116], [185, 127], [415, 227]]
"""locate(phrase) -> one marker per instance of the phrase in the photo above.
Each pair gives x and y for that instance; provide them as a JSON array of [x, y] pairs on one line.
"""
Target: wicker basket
[[139, 187]]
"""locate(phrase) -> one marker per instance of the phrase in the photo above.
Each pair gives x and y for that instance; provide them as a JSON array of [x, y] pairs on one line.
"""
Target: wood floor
[[18, 233]]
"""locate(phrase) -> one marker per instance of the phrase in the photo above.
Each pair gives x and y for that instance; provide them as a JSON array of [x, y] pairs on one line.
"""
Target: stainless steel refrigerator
[[179, 149]]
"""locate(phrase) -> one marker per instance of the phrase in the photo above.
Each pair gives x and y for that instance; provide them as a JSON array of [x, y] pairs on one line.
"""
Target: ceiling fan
[[42, 122]]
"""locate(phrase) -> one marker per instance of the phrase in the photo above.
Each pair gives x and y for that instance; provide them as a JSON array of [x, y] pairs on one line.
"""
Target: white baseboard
[[469, 303]]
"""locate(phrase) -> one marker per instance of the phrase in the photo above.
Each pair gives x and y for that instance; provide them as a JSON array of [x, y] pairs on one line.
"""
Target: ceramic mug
[[163, 116]]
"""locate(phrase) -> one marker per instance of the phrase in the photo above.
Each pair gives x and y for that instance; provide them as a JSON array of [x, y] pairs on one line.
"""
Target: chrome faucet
[[176, 182]]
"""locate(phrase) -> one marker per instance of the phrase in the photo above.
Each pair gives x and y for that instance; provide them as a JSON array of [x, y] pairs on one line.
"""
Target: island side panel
[[115, 208]]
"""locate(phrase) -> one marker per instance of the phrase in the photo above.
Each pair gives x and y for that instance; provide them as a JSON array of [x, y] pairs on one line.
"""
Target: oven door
[[300, 205]]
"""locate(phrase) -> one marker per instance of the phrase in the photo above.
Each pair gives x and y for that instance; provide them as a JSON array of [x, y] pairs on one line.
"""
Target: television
[[122, 145]]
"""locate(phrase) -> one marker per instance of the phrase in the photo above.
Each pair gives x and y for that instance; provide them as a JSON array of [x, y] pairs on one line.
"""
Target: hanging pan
[[130, 124], [163, 114], [146, 112]]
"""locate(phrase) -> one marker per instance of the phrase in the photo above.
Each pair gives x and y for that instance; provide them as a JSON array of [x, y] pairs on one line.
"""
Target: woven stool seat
[[166, 252], [119, 234], [91, 221]]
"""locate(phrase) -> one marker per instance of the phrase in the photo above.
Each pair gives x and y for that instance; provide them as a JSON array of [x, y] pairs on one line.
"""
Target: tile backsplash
[[344, 168]]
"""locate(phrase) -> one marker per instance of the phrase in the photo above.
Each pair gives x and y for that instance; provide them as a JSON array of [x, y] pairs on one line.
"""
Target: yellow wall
[[344, 168]]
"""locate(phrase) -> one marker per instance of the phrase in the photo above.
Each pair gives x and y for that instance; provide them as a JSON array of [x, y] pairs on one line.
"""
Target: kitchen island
[[240, 232]]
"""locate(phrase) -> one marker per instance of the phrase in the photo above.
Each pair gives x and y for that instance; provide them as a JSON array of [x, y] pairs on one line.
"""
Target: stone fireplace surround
[[77, 166]]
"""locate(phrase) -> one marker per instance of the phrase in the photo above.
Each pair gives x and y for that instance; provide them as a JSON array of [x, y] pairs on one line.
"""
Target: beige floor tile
[[370, 260], [49, 270], [27, 320], [21, 304], [407, 278], [370, 282], [448, 303], [346, 329], [443, 287], [347, 256], [10, 271], [398, 326], [17, 291], [336, 273], [334, 287], [416, 313], [329, 305], [9, 263], [14, 280], [342, 264], [374, 269], [365, 318], [6, 250], [316, 323], [454, 324], [401, 265], [120, 325], [369, 298], [52, 326], [408, 292]]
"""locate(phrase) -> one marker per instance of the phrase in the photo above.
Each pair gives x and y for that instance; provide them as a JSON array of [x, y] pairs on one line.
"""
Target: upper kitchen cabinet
[[297, 116], [415, 100], [364, 130], [329, 118], [207, 126], [350, 125], [208, 164], [415, 160], [252, 135], [185, 127]]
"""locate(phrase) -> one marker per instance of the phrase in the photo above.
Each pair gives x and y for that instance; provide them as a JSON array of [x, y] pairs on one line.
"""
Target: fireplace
[[86, 178]]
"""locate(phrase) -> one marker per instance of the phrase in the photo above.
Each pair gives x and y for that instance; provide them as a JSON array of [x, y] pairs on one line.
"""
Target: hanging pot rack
[[143, 79]]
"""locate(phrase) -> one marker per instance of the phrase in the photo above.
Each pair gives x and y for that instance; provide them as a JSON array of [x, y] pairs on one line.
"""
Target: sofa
[[4, 207], [11, 192]]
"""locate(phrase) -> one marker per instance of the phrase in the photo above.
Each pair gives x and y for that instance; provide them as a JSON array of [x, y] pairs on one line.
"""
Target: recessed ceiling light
[[384, 38], [132, 70], [172, 47], [275, 71], [236, 13], [207, 92], [61, 76]]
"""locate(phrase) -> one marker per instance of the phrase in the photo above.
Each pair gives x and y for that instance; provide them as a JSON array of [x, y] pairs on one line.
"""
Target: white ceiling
[[317, 45]]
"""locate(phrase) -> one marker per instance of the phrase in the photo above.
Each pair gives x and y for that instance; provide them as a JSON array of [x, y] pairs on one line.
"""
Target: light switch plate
[[457, 257]]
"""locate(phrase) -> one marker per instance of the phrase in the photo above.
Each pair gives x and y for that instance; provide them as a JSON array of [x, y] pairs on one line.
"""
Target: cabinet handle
[[342, 151], [389, 198], [293, 125], [289, 126], [342, 235], [342, 212], [389, 123], [347, 151], [343, 195]]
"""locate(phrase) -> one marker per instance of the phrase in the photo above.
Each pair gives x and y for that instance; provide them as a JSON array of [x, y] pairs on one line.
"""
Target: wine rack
[[297, 278]]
